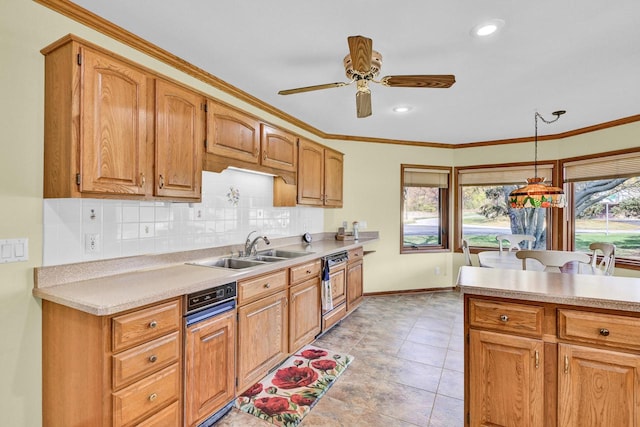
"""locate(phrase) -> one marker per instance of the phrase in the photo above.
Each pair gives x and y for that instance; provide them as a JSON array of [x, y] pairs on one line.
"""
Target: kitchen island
[[550, 349]]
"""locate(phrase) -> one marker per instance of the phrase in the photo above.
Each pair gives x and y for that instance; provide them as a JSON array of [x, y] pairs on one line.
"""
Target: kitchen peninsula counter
[[607, 292], [111, 286]]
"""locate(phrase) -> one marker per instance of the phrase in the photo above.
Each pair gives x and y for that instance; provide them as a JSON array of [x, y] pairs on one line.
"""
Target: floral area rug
[[286, 395]]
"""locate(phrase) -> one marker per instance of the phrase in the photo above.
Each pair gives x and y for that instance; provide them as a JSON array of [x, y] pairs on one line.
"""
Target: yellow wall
[[372, 185]]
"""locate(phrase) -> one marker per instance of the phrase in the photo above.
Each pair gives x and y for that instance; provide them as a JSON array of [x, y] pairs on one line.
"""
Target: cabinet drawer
[[356, 254], [509, 317], [146, 396], [603, 329], [144, 359], [302, 272], [252, 289], [168, 417], [146, 324], [333, 317]]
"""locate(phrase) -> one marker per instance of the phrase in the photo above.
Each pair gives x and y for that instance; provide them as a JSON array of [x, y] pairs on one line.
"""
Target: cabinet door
[[232, 134], [338, 279], [354, 285], [310, 173], [506, 380], [263, 339], [333, 170], [209, 366], [279, 149], [179, 141], [113, 117], [304, 313], [598, 387]]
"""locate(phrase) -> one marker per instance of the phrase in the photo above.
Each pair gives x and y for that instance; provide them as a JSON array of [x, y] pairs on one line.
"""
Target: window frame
[[554, 229], [444, 217], [568, 218]]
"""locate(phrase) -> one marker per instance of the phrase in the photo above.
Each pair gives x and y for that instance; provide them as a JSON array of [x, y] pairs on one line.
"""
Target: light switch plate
[[14, 250]]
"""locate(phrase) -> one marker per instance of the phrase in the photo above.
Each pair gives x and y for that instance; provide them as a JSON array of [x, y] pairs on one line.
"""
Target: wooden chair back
[[608, 261], [467, 254], [514, 241], [552, 260]]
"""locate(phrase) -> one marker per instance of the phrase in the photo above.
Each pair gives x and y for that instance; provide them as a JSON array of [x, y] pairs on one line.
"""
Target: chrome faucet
[[250, 246]]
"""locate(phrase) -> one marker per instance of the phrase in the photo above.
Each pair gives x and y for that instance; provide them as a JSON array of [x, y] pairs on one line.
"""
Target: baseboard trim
[[408, 291]]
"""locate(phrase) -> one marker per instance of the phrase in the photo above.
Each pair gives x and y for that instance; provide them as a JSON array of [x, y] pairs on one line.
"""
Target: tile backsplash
[[233, 204]]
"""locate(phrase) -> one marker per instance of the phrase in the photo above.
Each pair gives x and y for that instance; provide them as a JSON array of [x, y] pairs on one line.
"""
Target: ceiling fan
[[362, 65]]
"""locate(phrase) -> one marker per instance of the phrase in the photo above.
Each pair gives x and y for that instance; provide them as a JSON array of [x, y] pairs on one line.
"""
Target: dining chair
[[467, 254], [608, 261], [553, 260], [514, 240]]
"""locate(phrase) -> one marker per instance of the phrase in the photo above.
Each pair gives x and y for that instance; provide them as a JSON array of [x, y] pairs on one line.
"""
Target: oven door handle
[[210, 312]]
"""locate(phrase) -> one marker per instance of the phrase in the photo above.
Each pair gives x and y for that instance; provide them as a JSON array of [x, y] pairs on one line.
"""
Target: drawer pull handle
[[566, 364], [604, 332], [504, 318], [537, 359], [153, 324], [153, 358], [153, 396], [267, 285]]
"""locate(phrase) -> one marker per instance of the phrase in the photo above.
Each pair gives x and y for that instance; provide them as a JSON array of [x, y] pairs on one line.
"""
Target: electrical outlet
[[91, 243], [363, 224], [437, 271]]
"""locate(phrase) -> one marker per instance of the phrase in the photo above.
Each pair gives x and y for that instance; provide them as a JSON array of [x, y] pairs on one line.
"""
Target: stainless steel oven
[[209, 354]]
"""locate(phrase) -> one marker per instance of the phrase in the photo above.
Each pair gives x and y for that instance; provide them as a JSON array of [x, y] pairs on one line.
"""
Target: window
[[424, 208], [605, 203], [484, 211]]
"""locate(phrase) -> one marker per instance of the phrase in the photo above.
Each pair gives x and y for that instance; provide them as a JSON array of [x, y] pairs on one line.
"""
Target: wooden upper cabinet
[[333, 170], [232, 134], [310, 173], [320, 175], [279, 149], [179, 139], [95, 124]]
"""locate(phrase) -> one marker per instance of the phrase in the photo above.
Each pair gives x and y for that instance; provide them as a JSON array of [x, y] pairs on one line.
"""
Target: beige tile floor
[[407, 371]]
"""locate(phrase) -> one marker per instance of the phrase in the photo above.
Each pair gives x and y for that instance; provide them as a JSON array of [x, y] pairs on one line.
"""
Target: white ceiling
[[582, 56]]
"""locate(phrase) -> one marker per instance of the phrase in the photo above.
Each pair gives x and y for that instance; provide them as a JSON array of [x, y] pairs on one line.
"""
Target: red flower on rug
[[294, 377], [285, 396], [272, 405], [324, 365]]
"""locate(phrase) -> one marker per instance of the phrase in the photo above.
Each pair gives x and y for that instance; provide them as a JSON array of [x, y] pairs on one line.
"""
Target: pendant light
[[536, 194]]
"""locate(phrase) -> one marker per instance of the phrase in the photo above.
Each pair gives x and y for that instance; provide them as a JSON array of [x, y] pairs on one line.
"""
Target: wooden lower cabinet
[[209, 367], [354, 285], [598, 387], [506, 381], [263, 338], [530, 363], [338, 278], [112, 371], [304, 313]]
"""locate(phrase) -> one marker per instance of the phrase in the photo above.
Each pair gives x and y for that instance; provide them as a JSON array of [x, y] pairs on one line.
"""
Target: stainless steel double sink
[[261, 258]]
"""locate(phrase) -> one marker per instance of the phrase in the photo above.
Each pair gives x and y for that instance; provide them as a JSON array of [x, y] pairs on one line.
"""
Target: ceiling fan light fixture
[[487, 28]]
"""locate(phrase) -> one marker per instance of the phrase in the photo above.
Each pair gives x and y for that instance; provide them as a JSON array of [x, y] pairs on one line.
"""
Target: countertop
[[113, 286], [610, 292]]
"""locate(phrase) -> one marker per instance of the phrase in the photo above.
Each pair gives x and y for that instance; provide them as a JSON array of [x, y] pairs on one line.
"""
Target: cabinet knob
[[308, 271], [504, 318], [604, 332], [267, 285], [153, 324], [153, 396], [153, 358]]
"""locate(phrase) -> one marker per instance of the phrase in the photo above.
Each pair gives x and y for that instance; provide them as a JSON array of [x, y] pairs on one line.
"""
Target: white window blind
[[417, 177], [615, 166], [503, 175]]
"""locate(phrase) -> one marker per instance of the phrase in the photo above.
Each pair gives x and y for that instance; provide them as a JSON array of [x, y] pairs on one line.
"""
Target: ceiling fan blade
[[310, 88], [360, 49], [363, 103], [428, 81]]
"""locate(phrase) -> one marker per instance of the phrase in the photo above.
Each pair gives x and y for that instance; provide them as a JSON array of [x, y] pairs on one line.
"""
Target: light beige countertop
[[111, 286], [611, 292]]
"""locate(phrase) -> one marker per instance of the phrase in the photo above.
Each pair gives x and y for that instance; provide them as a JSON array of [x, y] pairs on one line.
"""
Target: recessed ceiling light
[[401, 109], [487, 28]]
